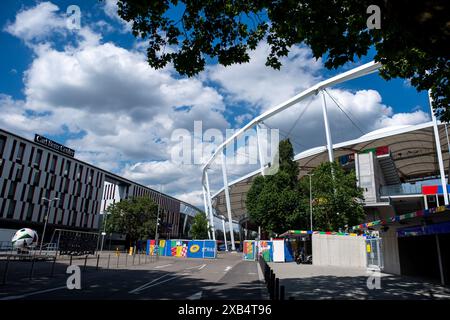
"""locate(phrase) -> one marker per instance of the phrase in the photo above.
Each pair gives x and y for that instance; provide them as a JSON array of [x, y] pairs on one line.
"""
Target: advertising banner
[[249, 250], [266, 250], [162, 247], [278, 250], [173, 248], [195, 249], [209, 250]]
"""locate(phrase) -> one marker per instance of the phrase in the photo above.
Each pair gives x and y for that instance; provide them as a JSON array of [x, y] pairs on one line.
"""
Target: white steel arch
[[358, 72]]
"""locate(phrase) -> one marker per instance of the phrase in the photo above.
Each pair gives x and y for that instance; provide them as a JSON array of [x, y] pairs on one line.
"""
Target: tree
[[273, 201], [337, 201], [135, 217], [412, 42], [199, 227]]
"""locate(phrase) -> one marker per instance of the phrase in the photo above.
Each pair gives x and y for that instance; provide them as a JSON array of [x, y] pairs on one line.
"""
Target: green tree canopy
[[199, 227], [281, 202], [412, 42], [135, 217], [273, 201], [337, 201]]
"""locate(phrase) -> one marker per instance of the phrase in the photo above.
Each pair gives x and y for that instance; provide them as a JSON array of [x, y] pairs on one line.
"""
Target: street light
[[310, 199], [46, 219], [157, 222], [224, 231], [105, 213]]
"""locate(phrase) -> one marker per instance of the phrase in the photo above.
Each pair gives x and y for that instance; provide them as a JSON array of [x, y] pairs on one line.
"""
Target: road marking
[[146, 284], [195, 296], [195, 267], [166, 265], [32, 293], [154, 284], [202, 266], [228, 268]]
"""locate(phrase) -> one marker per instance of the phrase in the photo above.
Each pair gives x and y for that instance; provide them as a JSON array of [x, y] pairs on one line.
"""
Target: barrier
[[249, 250], [182, 248]]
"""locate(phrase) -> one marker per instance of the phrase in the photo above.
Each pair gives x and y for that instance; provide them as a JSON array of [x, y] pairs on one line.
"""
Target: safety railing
[[276, 292]]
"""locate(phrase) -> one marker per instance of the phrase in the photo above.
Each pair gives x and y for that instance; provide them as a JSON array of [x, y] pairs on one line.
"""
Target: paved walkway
[[327, 282], [227, 277]]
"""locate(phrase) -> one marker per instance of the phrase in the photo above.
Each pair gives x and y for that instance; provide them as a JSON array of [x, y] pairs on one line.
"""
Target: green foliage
[[135, 217], [281, 202], [199, 227], [412, 42], [273, 201], [337, 201]]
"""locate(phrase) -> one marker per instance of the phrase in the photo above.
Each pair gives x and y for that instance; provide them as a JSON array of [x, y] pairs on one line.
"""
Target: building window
[[30, 161], [37, 178], [13, 150], [52, 182], [19, 173], [53, 165], [30, 194], [38, 159], [67, 170], [2, 145], [29, 212], [11, 209], [79, 189], [66, 186], [91, 176], [12, 189], [21, 152], [79, 172]]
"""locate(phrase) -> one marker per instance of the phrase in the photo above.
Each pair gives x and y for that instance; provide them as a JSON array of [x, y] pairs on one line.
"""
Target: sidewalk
[[328, 282]]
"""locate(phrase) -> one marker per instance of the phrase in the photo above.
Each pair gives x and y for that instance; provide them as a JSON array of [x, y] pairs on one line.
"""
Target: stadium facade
[[32, 170], [404, 174]]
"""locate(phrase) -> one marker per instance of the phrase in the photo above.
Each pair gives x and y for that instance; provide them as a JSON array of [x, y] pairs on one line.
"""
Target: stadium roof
[[412, 149]]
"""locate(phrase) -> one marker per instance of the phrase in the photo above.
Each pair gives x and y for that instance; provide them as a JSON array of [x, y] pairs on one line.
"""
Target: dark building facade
[[32, 170]]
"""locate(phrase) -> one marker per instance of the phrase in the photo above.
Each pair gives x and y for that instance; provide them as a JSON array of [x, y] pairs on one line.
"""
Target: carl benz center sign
[[54, 145]]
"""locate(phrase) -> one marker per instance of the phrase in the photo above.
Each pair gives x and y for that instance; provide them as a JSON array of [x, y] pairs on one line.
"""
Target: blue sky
[[93, 90]]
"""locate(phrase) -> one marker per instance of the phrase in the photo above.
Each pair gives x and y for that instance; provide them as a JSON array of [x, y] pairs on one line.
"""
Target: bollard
[[126, 260], [134, 256], [118, 257], [32, 268], [98, 258], [109, 258], [281, 292], [139, 258], [85, 263], [272, 285], [5, 273], [53, 266], [145, 259], [70, 263], [277, 289]]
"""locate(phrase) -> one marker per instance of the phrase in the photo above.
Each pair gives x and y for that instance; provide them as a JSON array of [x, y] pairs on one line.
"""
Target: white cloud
[[110, 8], [262, 86], [125, 111], [37, 23]]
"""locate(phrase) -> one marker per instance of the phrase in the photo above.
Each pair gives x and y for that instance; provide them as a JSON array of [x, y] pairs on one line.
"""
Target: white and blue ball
[[24, 238]]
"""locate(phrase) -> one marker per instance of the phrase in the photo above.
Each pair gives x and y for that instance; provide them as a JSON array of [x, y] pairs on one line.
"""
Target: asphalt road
[[227, 277]]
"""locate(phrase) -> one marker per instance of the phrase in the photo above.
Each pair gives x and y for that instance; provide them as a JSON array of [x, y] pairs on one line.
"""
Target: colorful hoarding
[[209, 249], [195, 249], [249, 250]]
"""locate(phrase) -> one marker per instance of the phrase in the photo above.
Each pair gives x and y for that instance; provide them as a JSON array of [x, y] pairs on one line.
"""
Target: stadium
[[403, 171]]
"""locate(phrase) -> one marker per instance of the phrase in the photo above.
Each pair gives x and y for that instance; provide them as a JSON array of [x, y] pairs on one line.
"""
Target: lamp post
[[157, 223], [104, 229], [46, 219], [310, 200], [224, 232]]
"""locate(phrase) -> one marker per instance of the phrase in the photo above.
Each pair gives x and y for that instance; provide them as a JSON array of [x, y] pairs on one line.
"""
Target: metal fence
[[23, 267], [276, 292], [374, 253]]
